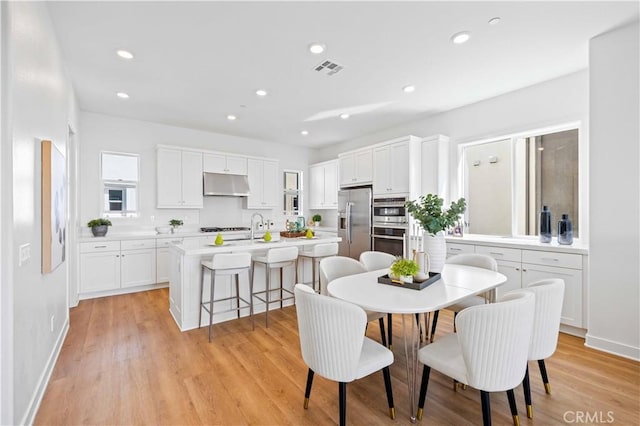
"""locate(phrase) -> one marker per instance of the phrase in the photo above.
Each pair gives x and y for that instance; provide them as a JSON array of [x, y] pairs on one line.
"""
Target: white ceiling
[[195, 63]]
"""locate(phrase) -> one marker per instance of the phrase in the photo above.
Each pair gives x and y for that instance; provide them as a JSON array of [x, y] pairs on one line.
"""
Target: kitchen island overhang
[[185, 275]]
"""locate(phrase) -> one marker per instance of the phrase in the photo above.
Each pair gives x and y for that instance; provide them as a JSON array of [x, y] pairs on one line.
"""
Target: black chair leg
[[383, 335], [486, 408], [342, 392], [545, 378], [307, 391], [455, 314], [513, 407], [387, 387], [434, 324], [389, 330], [527, 393], [423, 390]]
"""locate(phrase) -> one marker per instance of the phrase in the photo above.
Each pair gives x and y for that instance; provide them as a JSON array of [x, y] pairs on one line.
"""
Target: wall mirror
[[506, 182]]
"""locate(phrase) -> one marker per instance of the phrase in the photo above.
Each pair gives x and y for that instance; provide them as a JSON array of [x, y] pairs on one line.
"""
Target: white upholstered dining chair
[[374, 260], [333, 345], [489, 351], [335, 267], [546, 325], [475, 260]]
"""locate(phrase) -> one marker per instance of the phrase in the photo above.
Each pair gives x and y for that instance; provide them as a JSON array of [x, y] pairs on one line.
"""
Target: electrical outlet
[[153, 218], [53, 317], [25, 254]]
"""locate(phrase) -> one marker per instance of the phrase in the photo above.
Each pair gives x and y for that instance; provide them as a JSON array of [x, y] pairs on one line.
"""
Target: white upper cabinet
[[397, 168], [391, 169], [220, 163], [323, 185], [263, 184], [356, 167], [179, 182]]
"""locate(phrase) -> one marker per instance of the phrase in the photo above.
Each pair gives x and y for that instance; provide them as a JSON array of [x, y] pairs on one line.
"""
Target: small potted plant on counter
[[175, 224], [316, 219], [403, 270], [99, 227]]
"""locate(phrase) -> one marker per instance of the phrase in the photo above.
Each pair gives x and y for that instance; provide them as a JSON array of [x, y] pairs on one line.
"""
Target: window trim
[[110, 183], [582, 182]]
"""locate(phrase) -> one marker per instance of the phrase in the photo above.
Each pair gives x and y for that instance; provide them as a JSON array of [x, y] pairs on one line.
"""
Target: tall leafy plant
[[428, 211]]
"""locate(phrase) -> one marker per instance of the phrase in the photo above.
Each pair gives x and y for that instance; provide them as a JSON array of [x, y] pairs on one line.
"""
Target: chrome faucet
[[252, 223]]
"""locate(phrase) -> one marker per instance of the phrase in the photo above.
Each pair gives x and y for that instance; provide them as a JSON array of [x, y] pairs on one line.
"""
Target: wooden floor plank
[[124, 362]]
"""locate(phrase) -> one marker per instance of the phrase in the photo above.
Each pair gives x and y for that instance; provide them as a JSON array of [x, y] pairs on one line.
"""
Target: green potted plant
[[99, 227], [404, 270], [316, 219], [175, 224], [428, 211]]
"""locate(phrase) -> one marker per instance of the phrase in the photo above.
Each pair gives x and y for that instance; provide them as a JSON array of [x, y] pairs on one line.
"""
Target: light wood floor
[[125, 362]]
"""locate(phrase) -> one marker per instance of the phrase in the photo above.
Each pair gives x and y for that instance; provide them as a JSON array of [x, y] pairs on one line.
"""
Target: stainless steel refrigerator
[[354, 221]]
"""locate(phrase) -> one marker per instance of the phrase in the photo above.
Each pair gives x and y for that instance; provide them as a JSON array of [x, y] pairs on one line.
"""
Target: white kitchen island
[[185, 275]]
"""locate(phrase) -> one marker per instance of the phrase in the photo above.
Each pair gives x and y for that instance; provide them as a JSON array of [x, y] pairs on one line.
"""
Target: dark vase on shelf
[[545, 225], [565, 230]]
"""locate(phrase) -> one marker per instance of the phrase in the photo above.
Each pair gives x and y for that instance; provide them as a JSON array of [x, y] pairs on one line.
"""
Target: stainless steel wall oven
[[390, 225]]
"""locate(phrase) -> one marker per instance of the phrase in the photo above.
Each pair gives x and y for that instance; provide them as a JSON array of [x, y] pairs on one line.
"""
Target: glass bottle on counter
[[565, 230], [545, 225]]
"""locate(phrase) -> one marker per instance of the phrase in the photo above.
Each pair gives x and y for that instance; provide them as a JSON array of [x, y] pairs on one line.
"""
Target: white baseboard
[[43, 382], [118, 291], [615, 348]]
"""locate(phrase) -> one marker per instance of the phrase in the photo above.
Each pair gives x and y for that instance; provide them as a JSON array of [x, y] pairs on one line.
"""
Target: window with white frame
[[119, 174], [293, 192], [507, 180]]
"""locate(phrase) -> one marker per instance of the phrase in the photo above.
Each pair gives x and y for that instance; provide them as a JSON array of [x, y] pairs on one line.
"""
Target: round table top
[[456, 283]]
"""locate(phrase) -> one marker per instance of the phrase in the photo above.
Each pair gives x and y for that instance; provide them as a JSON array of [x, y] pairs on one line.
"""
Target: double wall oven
[[390, 225]]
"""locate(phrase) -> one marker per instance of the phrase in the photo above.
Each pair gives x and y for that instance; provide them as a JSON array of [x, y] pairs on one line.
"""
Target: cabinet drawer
[[500, 253], [166, 242], [563, 260], [99, 246], [456, 248], [137, 244]]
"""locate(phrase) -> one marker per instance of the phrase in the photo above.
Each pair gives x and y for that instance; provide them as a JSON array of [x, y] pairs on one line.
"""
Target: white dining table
[[456, 283]]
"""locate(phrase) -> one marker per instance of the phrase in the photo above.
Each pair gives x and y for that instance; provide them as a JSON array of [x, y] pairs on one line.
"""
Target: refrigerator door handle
[[348, 224]]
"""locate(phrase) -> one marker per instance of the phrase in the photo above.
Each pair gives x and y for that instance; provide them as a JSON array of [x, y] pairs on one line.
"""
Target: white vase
[[436, 247]]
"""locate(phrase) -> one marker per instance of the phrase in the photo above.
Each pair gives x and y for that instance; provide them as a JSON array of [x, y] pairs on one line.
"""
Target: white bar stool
[[276, 258], [226, 264], [316, 254]]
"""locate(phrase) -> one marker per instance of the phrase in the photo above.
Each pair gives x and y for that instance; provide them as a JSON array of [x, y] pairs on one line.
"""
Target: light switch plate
[[25, 254]]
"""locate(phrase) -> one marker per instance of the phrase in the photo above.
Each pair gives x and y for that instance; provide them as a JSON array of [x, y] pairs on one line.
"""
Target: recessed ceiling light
[[494, 21], [304, 133], [408, 89], [316, 48], [231, 117], [124, 54], [122, 95], [344, 116], [461, 37], [261, 92]]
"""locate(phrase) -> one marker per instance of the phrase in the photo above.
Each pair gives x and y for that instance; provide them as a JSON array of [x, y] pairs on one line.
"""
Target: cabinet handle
[[524, 270], [123, 255], [99, 246], [117, 255], [454, 249], [496, 253], [553, 259], [517, 269]]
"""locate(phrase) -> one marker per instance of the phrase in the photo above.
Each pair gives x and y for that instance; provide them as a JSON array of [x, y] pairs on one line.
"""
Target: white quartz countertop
[[522, 243], [195, 248]]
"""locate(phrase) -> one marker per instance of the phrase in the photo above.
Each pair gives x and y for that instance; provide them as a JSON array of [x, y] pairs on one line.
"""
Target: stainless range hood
[[224, 184]]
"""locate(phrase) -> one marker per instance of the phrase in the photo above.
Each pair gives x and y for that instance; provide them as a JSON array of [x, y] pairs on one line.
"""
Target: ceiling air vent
[[329, 67]]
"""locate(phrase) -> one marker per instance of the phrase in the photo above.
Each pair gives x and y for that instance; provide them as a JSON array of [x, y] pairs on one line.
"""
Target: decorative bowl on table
[[163, 229]]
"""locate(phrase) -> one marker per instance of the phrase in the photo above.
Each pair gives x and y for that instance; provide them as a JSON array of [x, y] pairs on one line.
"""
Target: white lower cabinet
[[113, 265], [99, 271], [523, 267]]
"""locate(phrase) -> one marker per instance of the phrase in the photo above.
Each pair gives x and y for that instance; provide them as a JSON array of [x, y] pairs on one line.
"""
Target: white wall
[[551, 103], [106, 133], [614, 320], [39, 105]]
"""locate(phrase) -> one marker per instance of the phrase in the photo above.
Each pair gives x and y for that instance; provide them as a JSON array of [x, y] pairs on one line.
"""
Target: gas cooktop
[[224, 229]]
